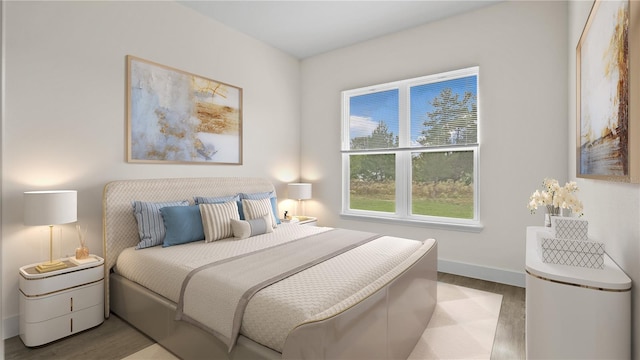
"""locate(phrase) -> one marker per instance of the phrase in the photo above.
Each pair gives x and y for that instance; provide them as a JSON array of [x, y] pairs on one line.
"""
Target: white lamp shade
[[299, 191], [50, 207]]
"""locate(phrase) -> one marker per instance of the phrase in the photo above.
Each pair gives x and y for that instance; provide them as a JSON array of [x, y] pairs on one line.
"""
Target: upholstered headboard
[[119, 227]]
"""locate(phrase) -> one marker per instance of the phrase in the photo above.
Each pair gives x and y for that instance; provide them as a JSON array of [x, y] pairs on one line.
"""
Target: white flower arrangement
[[555, 197]]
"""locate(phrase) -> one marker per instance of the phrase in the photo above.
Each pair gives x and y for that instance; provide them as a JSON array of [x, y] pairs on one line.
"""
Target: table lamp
[[299, 191], [50, 208]]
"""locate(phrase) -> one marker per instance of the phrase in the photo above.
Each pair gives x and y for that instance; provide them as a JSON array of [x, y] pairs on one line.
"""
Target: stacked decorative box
[[568, 244]]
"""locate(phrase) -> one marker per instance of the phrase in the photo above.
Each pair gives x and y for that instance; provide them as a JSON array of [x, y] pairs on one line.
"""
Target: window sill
[[475, 228]]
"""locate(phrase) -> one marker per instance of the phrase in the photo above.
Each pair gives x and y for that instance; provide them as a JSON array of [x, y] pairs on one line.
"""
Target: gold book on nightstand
[[50, 266]]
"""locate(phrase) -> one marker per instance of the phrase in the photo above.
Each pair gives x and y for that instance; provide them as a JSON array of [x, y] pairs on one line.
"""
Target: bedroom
[[63, 119]]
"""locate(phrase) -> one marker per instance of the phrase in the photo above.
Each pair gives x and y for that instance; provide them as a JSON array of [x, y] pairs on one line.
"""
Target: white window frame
[[403, 157]]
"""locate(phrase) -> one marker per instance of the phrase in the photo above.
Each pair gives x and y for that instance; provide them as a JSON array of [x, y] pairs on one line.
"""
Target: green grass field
[[461, 209], [453, 199]]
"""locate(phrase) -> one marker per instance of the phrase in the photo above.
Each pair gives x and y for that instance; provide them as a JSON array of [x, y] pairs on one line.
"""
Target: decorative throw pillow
[[150, 224], [254, 209], [243, 229], [271, 195], [258, 196], [219, 200], [215, 199], [216, 220], [182, 224]]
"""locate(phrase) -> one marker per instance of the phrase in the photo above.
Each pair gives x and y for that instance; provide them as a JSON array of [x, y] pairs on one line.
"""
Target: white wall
[[613, 209], [521, 49], [64, 123], [2, 76]]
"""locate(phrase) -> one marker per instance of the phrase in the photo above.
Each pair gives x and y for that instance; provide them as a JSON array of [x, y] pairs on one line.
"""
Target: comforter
[[277, 309]]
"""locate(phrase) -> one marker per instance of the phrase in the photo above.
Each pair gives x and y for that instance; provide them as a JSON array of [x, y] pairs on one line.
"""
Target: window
[[410, 149]]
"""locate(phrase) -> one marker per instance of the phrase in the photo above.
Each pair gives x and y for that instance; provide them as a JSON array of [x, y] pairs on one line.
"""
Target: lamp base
[[50, 266]]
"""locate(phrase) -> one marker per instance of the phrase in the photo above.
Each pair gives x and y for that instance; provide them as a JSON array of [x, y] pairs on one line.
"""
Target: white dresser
[[60, 303], [575, 312]]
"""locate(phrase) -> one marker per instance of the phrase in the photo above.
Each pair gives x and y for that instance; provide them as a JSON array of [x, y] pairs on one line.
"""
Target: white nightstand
[[303, 220], [62, 302], [308, 220], [575, 312]]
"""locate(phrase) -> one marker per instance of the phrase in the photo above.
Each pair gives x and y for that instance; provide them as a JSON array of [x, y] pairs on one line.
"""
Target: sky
[[366, 111]]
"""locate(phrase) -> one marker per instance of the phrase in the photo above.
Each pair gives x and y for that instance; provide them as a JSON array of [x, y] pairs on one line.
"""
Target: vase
[[551, 211]]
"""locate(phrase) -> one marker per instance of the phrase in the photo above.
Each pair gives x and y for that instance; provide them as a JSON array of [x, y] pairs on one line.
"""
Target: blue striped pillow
[[220, 200], [215, 199], [150, 224]]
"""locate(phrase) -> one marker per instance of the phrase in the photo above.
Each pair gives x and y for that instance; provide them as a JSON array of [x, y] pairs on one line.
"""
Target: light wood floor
[[115, 339]]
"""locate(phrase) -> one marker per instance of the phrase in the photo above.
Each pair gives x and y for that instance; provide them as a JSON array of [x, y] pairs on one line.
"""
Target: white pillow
[[216, 220], [243, 229], [254, 209]]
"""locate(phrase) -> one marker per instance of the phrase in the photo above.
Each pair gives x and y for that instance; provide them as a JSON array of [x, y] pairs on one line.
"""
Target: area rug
[[155, 352], [463, 326]]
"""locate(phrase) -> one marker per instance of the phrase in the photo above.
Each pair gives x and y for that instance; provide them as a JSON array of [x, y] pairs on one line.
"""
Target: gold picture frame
[[177, 117], [607, 133]]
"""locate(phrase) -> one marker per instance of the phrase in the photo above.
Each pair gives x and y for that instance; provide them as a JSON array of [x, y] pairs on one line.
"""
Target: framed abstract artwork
[[177, 117], [607, 133]]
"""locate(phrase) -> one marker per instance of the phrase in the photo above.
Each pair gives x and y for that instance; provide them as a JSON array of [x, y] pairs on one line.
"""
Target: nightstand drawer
[[39, 333], [44, 307], [44, 284]]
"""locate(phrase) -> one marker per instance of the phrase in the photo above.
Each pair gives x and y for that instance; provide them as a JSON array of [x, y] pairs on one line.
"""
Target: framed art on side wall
[[177, 117], [607, 133]]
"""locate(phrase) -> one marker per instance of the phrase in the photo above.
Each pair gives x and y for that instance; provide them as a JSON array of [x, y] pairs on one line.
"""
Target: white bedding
[[274, 311]]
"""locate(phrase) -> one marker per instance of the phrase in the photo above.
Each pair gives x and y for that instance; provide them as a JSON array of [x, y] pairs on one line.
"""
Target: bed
[[369, 309]]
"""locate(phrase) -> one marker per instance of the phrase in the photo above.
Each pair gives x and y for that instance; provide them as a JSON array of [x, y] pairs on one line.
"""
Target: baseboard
[[482, 272], [10, 327]]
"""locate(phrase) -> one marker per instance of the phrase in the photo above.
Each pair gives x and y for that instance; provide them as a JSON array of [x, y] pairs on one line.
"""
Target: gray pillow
[[243, 229]]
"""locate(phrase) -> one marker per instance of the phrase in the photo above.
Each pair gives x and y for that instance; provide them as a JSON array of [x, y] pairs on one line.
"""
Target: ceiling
[[307, 28]]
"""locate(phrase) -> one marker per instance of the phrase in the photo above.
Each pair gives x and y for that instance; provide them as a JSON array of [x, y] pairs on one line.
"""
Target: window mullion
[[403, 165], [476, 184], [404, 122], [403, 183], [346, 177]]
